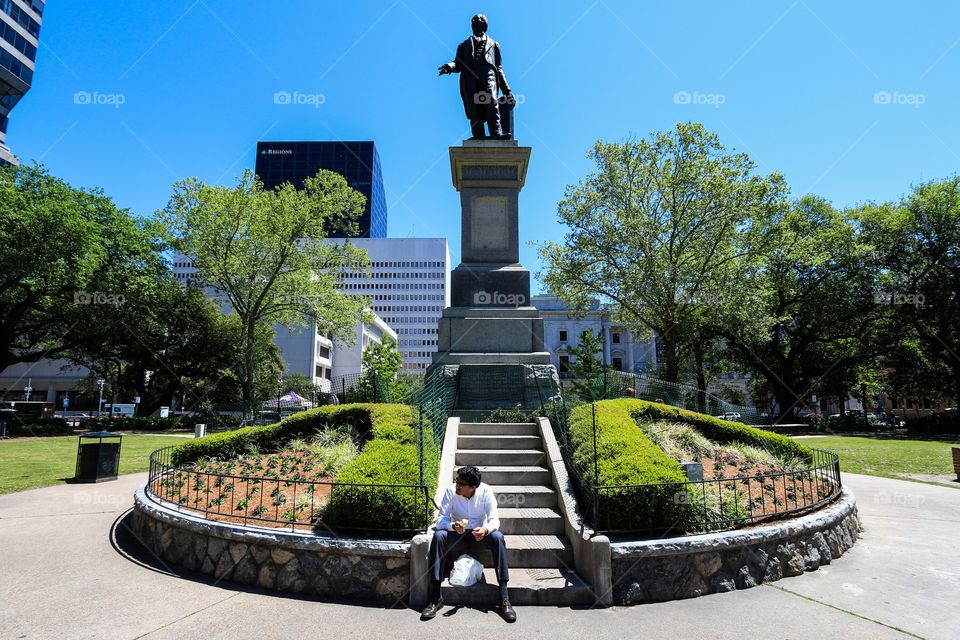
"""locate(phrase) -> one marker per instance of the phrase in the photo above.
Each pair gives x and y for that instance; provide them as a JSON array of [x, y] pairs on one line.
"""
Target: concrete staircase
[[511, 460]]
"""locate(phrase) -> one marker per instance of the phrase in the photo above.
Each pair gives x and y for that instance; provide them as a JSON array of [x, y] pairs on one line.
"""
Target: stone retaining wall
[[275, 559], [691, 566]]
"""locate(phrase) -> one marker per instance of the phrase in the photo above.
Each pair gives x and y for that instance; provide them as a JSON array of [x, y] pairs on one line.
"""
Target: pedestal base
[[515, 334], [490, 286]]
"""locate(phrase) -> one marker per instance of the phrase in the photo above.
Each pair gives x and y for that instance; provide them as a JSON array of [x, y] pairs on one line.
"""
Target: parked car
[[733, 416]]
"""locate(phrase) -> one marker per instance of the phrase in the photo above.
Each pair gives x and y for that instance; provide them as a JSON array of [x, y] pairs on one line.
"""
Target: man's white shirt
[[480, 510]]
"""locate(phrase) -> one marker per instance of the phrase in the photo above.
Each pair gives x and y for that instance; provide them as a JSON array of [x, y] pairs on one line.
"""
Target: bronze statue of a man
[[481, 80]]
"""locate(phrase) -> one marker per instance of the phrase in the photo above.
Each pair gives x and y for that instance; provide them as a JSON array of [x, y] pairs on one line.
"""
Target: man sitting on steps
[[468, 521]]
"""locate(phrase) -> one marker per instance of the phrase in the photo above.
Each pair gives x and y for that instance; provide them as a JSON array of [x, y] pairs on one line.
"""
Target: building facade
[[358, 162], [19, 38], [48, 381], [408, 286], [321, 359], [621, 349]]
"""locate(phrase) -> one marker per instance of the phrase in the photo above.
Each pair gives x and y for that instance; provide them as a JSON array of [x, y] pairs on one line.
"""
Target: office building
[[408, 286], [358, 162], [19, 38]]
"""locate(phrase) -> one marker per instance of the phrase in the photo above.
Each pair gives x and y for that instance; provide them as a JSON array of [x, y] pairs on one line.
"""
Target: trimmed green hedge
[[625, 456], [720, 431], [29, 427], [389, 457], [272, 436]]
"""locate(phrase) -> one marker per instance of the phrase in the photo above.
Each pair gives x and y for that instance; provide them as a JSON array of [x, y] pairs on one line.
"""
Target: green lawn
[[889, 458], [28, 463]]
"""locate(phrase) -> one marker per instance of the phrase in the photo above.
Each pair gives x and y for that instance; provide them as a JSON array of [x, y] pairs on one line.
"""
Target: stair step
[[499, 442], [499, 429], [506, 457], [548, 587], [522, 474], [530, 521], [530, 551], [517, 496], [533, 551]]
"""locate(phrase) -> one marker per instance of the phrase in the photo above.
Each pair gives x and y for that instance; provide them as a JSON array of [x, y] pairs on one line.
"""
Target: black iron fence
[[298, 504], [717, 503], [680, 508]]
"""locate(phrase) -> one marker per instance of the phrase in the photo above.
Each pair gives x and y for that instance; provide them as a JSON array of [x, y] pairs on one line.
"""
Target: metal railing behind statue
[[615, 384], [292, 503], [433, 402]]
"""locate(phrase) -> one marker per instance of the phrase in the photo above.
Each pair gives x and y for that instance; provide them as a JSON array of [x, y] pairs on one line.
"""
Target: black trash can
[[98, 461]]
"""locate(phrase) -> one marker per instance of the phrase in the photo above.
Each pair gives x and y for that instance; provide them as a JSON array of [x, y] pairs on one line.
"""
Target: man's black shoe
[[431, 611], [507, 611]]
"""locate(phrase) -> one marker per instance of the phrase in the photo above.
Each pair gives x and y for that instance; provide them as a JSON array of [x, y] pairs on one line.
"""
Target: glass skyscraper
[[19, 38], [358, 162]]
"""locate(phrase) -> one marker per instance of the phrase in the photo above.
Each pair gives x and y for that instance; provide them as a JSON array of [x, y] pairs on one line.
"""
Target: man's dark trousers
[[447, 546]]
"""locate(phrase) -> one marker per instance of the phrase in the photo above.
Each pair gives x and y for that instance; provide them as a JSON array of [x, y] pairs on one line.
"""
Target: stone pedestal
[[491, 330]]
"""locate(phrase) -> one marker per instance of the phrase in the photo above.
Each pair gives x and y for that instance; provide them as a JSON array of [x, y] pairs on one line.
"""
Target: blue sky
[[851, 101]]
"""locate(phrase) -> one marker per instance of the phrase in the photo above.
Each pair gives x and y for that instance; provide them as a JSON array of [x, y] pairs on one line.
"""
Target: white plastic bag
[[467, 571]]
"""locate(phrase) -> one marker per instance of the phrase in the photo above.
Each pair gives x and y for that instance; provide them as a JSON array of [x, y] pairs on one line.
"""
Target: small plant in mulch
[[747, 489], [297, 476]]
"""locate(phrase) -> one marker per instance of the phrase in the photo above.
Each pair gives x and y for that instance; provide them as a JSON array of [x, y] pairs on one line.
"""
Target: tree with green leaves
[[63, 252], [661, 223], [814, 287], [165, 334], [380, 363], [918, 245], [267, 254], [590, 374]]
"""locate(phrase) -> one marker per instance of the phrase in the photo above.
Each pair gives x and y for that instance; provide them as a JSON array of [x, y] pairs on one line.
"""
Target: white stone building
[[562, 330]]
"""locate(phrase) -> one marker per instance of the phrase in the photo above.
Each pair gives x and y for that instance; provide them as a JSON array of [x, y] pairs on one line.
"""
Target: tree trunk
[[701, 376], [956, 390], [671, 371], [248, 371]]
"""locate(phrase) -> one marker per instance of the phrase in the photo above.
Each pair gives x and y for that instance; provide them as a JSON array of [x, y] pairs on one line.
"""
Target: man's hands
[[445, 69], [479, 533]]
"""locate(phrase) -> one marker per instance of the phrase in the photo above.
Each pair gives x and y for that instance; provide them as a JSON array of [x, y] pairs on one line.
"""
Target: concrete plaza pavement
[[69, 568]]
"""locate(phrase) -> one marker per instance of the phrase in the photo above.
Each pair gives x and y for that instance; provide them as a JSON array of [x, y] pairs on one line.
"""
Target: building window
[[564, 364], [324, 352], [563, 335], [616, 338], [618, 364]]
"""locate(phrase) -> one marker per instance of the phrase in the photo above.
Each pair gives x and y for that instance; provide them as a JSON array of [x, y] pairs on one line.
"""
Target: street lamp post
[[100, 383], [279, 392], [113, 402]]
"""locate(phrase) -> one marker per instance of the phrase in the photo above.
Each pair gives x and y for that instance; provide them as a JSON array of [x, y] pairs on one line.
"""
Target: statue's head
[[479, 24]]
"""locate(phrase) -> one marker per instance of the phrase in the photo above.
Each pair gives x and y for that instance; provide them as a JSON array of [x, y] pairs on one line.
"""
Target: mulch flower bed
[[747, 488], [286, 489]]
